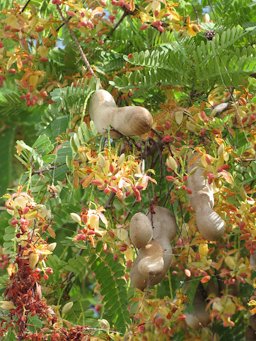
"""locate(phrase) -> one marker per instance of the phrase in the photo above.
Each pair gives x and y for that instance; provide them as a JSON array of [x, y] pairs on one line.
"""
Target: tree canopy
[[127, 178]]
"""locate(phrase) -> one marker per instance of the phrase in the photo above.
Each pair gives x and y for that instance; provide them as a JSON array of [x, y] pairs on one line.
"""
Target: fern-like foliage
[[191, 65], [138, 40], [11, 104], [68, 102], [110, 275], [231, 12], [83, 136], [63, 61], [14, 109], [6, 4]]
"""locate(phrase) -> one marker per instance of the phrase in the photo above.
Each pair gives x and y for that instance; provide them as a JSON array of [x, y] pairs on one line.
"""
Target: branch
[[117, 24], [83, 56], [127, 11], [127, 138], [110, 201], [161, 144], [24, 7], [157, 133], [43, 170], [60, 26]]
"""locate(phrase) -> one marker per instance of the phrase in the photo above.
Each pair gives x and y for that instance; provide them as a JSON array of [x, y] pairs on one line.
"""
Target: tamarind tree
[[127, 178]]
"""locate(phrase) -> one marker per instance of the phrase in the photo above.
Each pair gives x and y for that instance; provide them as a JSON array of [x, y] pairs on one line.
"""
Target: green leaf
[[43, 145]]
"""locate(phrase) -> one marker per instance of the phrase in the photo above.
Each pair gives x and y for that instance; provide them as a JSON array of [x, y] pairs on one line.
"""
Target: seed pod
[[129, 120], [252, 322], [208, 222], [253, 261], [148, 265], [132, 120], [151, 259], [164, 224], [192, 321], [164, 230], [140, 230], [250, 334], [199, 185]]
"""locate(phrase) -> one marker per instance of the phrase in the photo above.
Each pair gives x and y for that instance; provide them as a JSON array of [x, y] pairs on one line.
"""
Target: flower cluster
[[122, 175], [23, 293], [62, 334], [89, 220]]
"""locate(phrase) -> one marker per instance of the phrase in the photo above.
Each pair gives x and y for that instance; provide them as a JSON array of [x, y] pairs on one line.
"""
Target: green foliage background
[[50, 135]]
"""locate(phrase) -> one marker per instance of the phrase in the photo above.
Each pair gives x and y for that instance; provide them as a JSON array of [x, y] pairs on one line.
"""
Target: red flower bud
[[167, 139], [143, 27], [170, 178]]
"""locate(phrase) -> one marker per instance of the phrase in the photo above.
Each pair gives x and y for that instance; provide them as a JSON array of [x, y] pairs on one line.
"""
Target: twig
[[168, 195], [40, 171], [157, 133], [117, 24], [60, 26], [161, 144], [248, 160], [129, 139], [110, 201], [83, 56], [127, 11], [24, 7]]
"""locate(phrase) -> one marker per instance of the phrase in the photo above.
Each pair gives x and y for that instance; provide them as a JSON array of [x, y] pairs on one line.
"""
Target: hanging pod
[[209, 223], [153, 241], [129, 120]]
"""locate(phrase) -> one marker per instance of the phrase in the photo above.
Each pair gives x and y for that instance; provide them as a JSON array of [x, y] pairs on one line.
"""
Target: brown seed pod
[[155, 256], [148, 265], [129, 120], [209, 223], [141, 231], [167, 260], [164, 224], [164, 230]]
